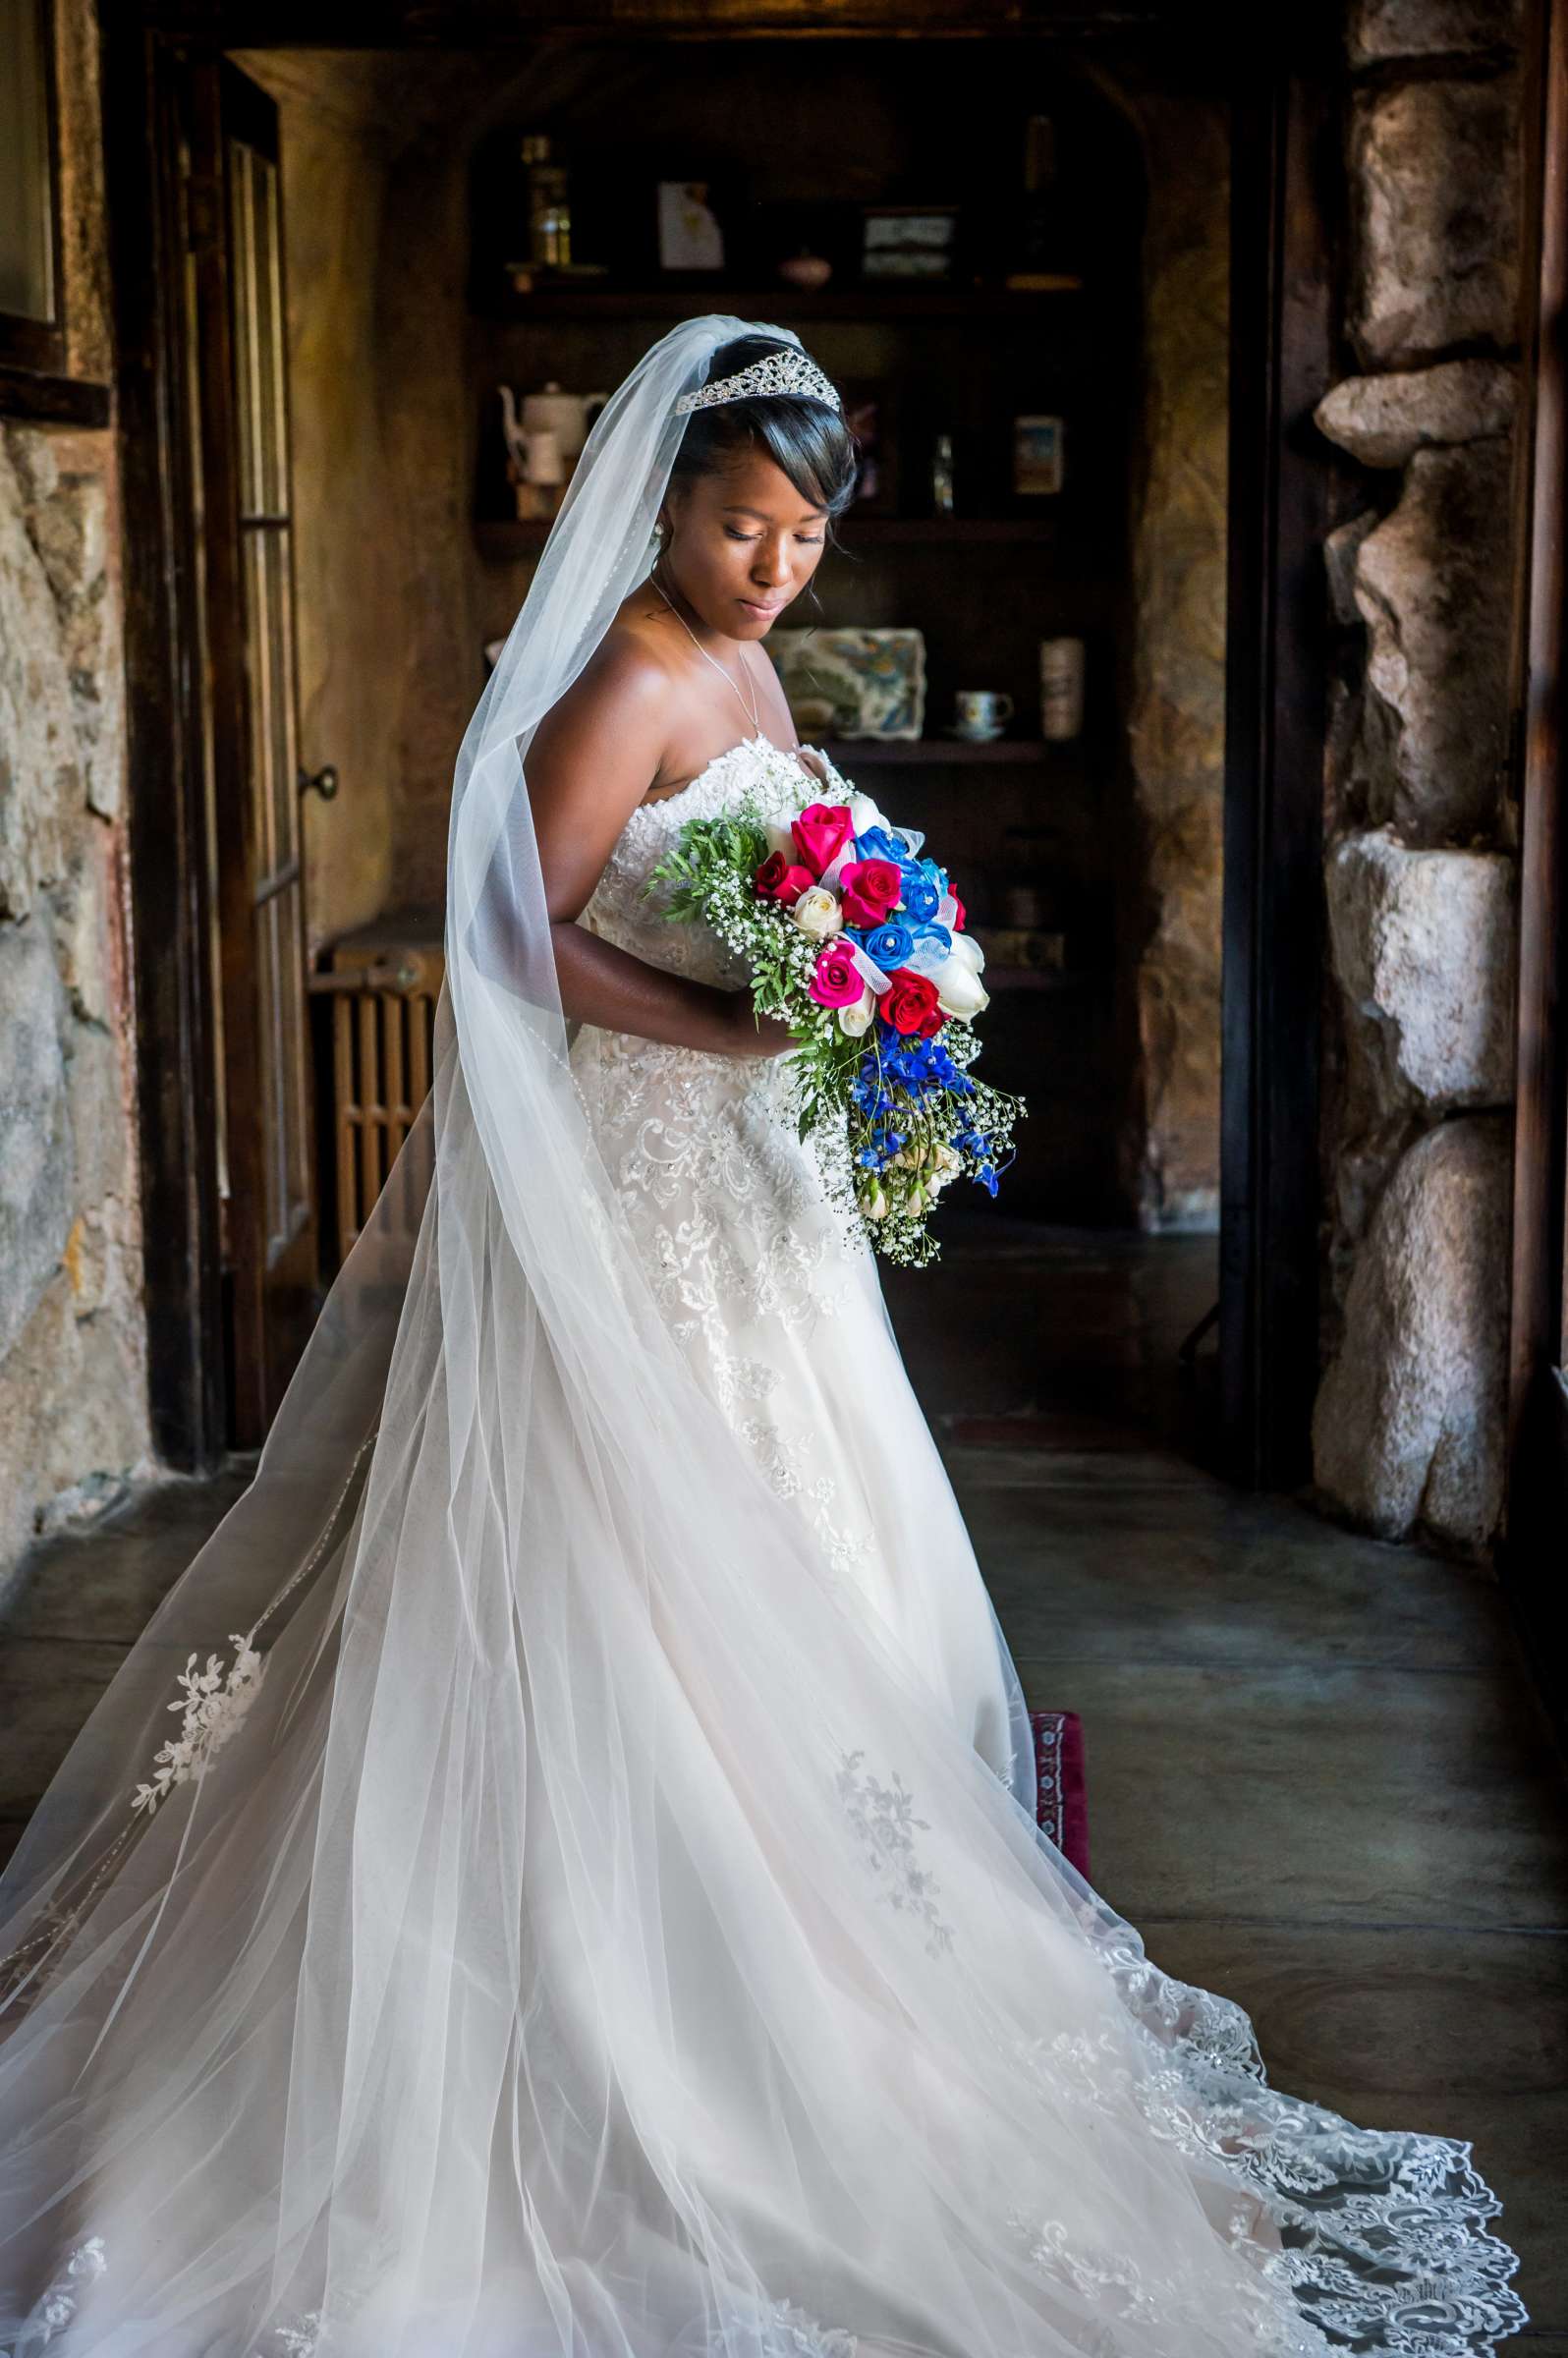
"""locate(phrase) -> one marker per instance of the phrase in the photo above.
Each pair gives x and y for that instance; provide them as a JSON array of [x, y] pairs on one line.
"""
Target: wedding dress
[[780, 1316], [589, 1903]]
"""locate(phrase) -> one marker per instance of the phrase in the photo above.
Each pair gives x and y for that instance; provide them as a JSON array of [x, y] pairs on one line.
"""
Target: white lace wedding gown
[[682, 1983], [778, 1309]]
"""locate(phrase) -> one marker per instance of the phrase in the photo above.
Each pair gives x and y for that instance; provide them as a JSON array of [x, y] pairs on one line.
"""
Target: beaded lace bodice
[[774, 779], [747, 1257]]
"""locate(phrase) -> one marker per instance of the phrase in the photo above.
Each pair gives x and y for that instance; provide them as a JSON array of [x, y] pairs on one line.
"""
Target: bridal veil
[[511, 1904]]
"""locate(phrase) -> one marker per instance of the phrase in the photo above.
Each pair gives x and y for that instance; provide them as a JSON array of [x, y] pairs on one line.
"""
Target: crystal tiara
[[789, 371]]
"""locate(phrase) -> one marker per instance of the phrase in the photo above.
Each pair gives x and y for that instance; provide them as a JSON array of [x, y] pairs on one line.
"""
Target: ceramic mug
[[982, 712], [1061, 687]]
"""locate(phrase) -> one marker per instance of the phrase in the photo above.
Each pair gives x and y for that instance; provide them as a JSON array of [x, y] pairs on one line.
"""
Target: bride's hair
[[808, 441]]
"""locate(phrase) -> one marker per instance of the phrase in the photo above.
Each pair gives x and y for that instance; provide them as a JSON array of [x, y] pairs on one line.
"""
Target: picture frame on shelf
[[1039, 467], [908, 243], [691, 236], [872, 679]]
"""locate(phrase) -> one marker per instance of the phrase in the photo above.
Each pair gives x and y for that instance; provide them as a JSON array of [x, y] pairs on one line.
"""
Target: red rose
[[782, 879], [820, 835], [958, 913], [910, 1003], [871, 890]]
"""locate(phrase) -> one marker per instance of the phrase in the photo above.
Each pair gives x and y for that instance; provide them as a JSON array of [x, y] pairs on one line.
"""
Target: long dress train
[[599, 1914]]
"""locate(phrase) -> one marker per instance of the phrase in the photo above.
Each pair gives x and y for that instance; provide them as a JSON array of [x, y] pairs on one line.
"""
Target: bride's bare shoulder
[[628, 684], [632, 673]]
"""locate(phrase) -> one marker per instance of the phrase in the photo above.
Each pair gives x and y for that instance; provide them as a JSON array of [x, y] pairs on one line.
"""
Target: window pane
[[27, 223]]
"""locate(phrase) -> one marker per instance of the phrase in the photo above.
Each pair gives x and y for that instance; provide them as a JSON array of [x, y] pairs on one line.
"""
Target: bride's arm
[[591, 761]]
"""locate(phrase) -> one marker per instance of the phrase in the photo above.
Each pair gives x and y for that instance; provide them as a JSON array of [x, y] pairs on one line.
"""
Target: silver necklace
[[756, 721]]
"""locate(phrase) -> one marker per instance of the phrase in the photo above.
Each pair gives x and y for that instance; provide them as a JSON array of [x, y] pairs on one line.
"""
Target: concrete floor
[[1318, 1777]]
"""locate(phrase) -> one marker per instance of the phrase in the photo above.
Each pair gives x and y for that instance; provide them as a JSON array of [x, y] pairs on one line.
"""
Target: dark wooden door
[[1286, 159], [255, 885], [1535, 1556]]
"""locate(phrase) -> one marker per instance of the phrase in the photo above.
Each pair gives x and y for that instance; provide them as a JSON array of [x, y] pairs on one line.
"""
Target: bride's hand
[[757, 1035]]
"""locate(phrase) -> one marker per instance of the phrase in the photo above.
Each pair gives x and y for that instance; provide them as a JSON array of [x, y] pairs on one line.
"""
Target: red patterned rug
[[1063, 1804]]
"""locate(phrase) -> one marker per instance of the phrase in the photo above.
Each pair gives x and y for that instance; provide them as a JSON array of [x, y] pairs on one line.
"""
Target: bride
[[557, 1877]]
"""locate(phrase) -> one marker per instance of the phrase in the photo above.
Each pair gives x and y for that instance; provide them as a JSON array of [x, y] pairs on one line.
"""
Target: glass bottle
[[549, 210]]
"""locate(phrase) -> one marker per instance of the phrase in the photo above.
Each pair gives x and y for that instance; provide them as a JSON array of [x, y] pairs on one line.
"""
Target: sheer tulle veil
[[509, 1904]]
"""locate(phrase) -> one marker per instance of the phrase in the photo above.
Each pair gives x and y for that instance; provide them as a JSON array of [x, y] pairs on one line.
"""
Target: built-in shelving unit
[[1034, 832]]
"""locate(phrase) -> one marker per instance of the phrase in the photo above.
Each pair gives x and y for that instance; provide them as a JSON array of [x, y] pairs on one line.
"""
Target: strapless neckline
[[785, 754]]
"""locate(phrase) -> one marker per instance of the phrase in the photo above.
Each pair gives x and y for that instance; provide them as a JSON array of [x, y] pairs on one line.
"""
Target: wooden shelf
[[588, 299], [507, 537], [850, 752]]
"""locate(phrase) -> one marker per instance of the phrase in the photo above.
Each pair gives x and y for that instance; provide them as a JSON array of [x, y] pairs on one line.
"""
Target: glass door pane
[[26, 189]]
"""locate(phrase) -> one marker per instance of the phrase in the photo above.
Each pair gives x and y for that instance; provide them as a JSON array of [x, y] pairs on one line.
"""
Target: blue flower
[[882, 843], [889, 945], [922, 899]]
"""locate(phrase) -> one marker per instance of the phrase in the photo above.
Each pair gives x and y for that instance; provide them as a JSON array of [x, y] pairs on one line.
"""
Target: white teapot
[[564, 415]]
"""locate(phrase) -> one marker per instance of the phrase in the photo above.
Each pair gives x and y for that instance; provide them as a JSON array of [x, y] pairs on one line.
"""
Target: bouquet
[[858, 944]]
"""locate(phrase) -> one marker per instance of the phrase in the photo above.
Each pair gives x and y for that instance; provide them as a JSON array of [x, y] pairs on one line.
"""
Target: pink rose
[[836, 981], [781, 880], [958, 912], [871, 890], [820, 835]]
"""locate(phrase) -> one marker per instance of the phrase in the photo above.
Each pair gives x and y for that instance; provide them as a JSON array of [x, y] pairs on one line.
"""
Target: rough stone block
[[40, 776], [66, 510], [35, 1134], [1432, 585], [1382, 29], [1435, 188], [1424, 947], [1410, 1422], [1341, 550], [1383, 420], [73, 1409]]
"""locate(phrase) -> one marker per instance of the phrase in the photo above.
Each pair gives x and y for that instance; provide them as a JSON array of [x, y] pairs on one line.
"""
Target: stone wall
[[73, 1384], [1176, 730], [1421, 886]]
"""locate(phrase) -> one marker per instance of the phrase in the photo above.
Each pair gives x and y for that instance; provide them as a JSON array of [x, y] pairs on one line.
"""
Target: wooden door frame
[[176, 1015], [1284, 497], [1537, 1405], [1283, 317]]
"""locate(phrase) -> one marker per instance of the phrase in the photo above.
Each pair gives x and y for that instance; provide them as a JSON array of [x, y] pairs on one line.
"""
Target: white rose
[[817, 912], [959, 989], [966, 946], [872, 1201], [856, 1019], [864, 814], [779, 839], [946, 1166]]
